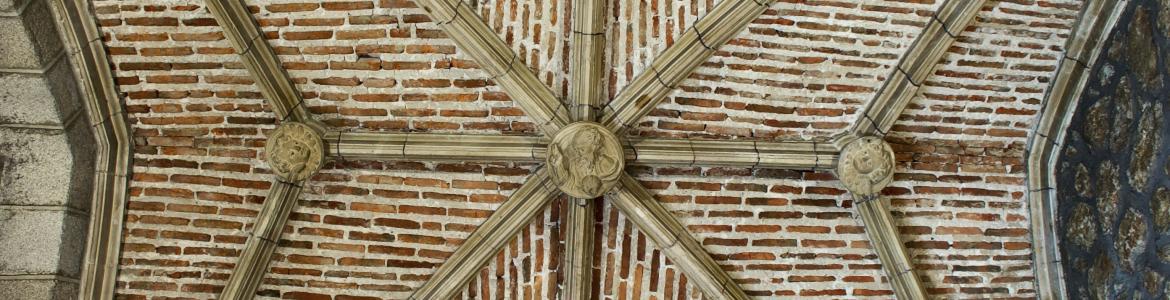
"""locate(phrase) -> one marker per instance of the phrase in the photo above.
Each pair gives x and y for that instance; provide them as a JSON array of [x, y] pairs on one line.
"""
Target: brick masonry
[[368, 230], [1113, 202]]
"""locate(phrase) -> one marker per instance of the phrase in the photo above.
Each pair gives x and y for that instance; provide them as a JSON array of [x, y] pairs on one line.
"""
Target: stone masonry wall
[[1114, 192], [376, 230], [46, 158]]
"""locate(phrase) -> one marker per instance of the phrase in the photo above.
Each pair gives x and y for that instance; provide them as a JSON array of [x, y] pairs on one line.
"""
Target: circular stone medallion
[[866, 166], [295, 151], [585, 160]]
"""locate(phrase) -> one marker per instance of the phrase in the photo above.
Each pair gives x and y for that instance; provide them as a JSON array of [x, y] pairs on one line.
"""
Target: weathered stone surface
[[1123, 115], [1082, 226], [1147, 145], [37, 289], [11, 5], [38, 99], [1152, 282], [1100, 277], [1108, 120], [1084, 182], [40, 242], [29, 41], [1141, 51], [1108, 190], [38, 168], [1160, 206], [1097, 124], [1164, 254], [1164, 19], [1072, 151], [1130, 242]]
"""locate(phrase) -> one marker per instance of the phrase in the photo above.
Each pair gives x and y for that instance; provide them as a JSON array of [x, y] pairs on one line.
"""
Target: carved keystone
[[585, 159], [866, 166], [295, 151]]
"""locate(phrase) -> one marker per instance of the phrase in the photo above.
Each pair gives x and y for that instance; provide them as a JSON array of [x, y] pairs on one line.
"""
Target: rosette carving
[[866, 166], [585, 159], [295, 151]]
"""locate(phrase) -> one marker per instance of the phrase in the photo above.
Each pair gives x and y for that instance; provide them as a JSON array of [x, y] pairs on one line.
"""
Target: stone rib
[[431, 147], [640, 207], [447, 147], [729, 153], [578, 260], [252, 265], [919, 61], [694, 47], [261, 61], [1097, 19], [587, 74], [113, 145], [883, 236], [475, 38], [482, 245], [587, 70], [880, 114]]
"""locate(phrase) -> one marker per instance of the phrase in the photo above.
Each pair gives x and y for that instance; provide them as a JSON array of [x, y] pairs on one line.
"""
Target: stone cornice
[[1097, 19], [112, 136]]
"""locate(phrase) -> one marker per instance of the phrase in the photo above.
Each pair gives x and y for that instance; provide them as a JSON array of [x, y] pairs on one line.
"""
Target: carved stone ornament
[[295, 151], [866, 166], [585, 159]]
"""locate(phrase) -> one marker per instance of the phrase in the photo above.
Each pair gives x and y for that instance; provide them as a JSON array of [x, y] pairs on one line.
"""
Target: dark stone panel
[[1113, 205]]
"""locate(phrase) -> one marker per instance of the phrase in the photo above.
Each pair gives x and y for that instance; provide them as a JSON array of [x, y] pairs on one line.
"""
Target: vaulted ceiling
[[731, 115]]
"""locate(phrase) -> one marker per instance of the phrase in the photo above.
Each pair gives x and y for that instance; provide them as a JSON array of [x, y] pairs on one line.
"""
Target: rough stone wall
[[1113, 189], [46, 161], [367, 230]]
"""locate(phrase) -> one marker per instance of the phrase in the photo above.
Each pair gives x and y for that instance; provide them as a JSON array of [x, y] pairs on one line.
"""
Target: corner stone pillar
[[46, 158]]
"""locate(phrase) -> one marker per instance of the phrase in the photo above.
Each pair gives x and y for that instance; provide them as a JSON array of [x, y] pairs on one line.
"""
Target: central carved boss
[[295, 151], [866, 166], [585, 159]]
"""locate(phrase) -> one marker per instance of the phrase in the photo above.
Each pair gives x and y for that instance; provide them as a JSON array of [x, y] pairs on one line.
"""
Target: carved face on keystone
[[869, 159], [585, 160], [294, 155], [295, 151]]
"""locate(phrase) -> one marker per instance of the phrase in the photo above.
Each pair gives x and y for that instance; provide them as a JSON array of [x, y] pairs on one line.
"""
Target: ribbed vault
[[865, 133]]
